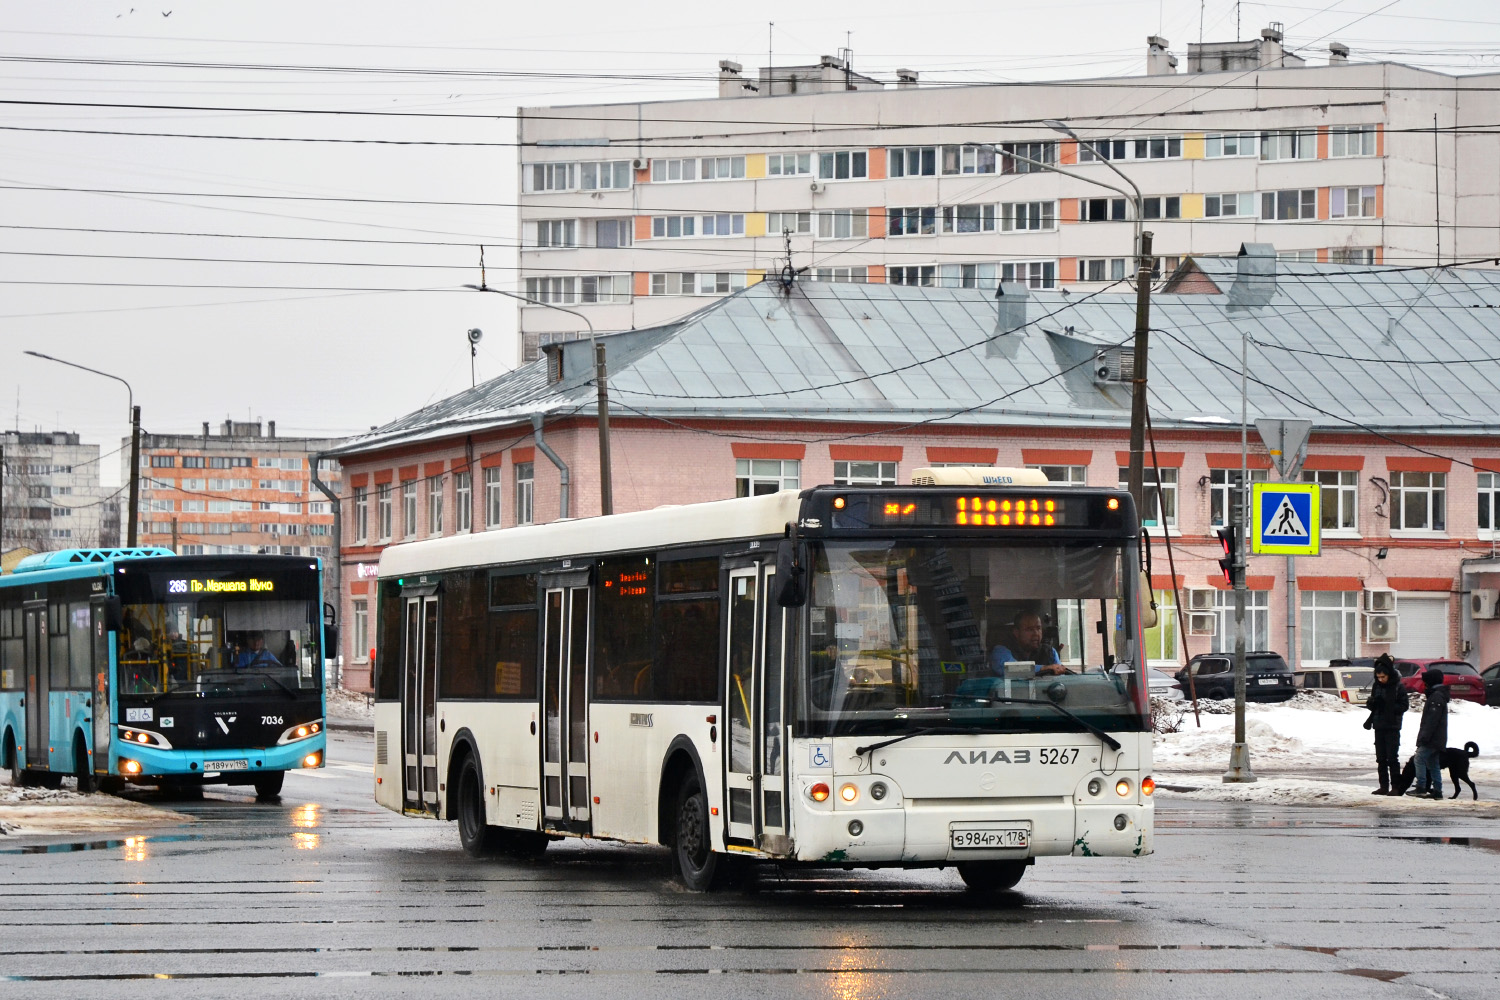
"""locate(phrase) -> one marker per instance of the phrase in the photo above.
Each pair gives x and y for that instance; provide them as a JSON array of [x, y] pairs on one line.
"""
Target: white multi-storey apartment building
[[52, 497], [634, 213]]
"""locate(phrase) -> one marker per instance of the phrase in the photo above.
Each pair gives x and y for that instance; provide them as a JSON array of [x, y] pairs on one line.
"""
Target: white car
[[1161, 684]]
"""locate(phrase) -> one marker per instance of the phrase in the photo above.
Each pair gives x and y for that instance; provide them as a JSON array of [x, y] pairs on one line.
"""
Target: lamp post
[[606, 477], [135, 440]]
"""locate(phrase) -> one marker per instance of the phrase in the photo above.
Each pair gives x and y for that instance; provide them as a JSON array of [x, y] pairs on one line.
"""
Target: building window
[[843, 224], [973, 218], [557, 233], [858, 275], [755, 477], [700, 283], [608, 175], [192, 461], [554, 176], [383, 512], [1489, 487], [1017, 157], [968, 275], [1031, 273], [1339, 500], [1330, 620], [1297, 256], [864, 474], [682, 226], [1419, 501], [663, 171], [494, 486], [1161, 639], [969, 159], [1027, 216], [163, 461], [1107, 269], [557, 290], [844, 165], [1071, 475], [1351, 255], [795, 223], [1161, 207], [911, 221], [1351, 140], [914, 274], [1283, 205], [1216, 145], [1223, 484], [1101, 209], [361, 514], [913, 161], [708, 168], [1226, 206], [1160, 506], [610, 233], [409, 508], [789, 164], [435, 505], [1288, 145], [1153, 147], [361, 650], [463, 501], [1257, 621], [1351, 203], [525, 492]]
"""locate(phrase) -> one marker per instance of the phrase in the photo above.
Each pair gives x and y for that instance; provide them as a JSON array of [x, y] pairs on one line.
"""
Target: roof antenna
[[482, 287]]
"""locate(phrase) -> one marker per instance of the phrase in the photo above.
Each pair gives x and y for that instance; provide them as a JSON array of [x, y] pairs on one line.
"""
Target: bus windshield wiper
[[925, 731], [1113, 743]]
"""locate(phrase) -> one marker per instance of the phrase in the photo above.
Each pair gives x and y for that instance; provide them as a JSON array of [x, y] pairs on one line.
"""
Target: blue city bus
[[138, 665]]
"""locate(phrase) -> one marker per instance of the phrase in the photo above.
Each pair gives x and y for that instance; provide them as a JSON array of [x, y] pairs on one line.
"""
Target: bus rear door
[[565, 711], [419, 701], [38, 685], [754, 780]]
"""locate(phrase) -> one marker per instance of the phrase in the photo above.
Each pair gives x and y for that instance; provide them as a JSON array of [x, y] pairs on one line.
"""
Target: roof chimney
[[1159, 62], [906, 79], [1254, 276], [1271, 51], [1338, 54], [270, 428], [731, 84]]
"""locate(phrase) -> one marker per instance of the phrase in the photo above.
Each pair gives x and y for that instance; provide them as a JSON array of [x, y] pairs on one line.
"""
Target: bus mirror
[[791, 586], [114, 614], [329, 617], [1149, 616], [330, 641]]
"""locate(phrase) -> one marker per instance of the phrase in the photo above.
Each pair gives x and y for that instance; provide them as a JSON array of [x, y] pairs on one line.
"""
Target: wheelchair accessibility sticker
[[820, 756]]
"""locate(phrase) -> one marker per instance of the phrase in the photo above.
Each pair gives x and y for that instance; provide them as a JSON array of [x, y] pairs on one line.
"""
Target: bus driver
[[257, 655], [1026, 644]]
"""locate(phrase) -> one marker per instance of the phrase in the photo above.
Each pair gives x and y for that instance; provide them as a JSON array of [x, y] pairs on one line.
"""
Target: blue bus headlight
[[144, 737], [301, 731]]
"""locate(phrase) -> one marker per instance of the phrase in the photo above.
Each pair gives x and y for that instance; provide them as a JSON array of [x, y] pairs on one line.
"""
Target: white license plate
[[990, 839], [226, 765], [1267, 680]]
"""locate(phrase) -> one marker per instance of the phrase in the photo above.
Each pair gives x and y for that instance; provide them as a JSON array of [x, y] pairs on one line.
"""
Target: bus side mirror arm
[[791, 570]]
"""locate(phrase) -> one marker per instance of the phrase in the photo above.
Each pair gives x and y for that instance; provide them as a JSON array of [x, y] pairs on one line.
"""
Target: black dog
[[1455, 760]]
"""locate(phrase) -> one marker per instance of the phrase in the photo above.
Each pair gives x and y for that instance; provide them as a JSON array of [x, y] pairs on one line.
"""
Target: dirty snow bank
[[26, 811], [344, 704]]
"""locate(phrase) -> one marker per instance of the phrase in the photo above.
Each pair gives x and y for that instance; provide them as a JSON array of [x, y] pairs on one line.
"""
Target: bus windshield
[[993, 637]]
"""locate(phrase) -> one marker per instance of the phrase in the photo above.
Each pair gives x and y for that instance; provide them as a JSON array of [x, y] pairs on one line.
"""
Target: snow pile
[[1311, 792], [19, 794], [345, 704]]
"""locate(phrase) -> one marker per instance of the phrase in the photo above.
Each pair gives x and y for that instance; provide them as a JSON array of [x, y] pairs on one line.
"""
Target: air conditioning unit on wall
[[1482, 603], [1202, 599], [639, 163], [1381, 628], [1380, 600], [1202, 623]]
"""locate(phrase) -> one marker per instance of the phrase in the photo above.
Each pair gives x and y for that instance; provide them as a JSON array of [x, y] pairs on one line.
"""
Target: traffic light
[[1229, 538]]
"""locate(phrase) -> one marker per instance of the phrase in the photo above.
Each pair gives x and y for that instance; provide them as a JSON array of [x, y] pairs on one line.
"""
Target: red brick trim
[[766, 449], [864, 453], [408, 472], [383, 477], [359, 479], [1334, 463], [431, 469], [1167, 459], [974, 456], [492, 461], [1231, 460], [1443, 584], [1487, 464], [1251, 582], [1160, 581], [1412, 463], [523, 454], [359, 586], [1326, 583], [1056, 456]]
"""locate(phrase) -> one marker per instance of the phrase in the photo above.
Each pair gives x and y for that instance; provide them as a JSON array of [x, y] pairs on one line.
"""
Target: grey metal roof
[[1390, 349]]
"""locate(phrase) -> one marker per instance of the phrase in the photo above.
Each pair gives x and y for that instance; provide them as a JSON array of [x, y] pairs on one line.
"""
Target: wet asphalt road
[[325, 895]]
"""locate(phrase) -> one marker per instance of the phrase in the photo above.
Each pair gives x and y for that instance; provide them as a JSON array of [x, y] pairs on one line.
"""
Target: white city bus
[[839, 676]]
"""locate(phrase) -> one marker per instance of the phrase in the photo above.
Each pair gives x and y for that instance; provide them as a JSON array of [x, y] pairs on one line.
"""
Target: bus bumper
[[157, 763]]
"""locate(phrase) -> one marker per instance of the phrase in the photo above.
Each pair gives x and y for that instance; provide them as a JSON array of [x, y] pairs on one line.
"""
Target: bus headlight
[[849, 793], [1095, 786], [818, 792], [1122, 787], [130, 766], [878, 791], [144, 738], [301, 731], [312, 760]]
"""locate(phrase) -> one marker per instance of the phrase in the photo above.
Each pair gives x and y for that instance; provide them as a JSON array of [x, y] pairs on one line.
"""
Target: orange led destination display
[[972, 510]]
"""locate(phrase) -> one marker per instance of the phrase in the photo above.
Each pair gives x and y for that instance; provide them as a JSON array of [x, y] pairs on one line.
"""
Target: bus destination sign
[[213, 586], [972, 510]]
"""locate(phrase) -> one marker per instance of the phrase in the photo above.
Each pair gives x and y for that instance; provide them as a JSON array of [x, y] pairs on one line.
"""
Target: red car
[[1462, 679]]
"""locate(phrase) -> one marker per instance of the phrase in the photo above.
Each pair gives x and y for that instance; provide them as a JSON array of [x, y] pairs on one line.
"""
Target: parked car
[[1267, 677], [1350, 680], [1491, 678], [1161, 684], [1462, 679]]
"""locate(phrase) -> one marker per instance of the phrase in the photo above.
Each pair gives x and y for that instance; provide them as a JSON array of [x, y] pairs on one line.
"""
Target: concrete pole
[[606, 478], [135, 475], [1239, 755], [1134, 481]]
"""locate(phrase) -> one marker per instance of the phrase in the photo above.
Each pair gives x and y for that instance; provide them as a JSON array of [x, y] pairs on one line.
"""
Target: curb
[[350, 726]]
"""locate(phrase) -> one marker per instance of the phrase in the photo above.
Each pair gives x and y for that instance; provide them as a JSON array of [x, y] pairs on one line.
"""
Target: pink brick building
[[775, 389]]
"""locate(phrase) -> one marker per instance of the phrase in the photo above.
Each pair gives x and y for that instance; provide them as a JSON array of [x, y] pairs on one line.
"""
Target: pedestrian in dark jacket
[[1387, 703], [1432, 736]]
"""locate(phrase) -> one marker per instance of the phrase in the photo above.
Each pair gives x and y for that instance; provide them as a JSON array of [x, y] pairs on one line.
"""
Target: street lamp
[[135, 440], [1135, 197], [606, 477]]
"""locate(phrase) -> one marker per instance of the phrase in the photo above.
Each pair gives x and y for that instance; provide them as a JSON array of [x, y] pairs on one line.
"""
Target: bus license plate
[[226, 765], [990, 839]]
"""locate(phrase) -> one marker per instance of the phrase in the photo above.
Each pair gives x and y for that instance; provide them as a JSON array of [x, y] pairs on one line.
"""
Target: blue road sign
[[1285, 519]]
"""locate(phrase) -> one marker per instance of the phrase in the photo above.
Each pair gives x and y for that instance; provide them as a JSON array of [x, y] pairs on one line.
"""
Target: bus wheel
[[479, 839], [83, 771], [991, 876], [13, 759], [268, 784], [700, 869]]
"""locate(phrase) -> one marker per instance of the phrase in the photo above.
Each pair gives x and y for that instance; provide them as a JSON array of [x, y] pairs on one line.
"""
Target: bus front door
[[38, 687], [565, 707], [754, 779], [419, 704]]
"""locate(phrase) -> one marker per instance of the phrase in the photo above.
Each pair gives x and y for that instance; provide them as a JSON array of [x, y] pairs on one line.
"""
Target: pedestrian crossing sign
[[1285, 519]]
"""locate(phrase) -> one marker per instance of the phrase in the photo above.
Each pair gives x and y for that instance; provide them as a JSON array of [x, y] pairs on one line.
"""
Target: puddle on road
[[100, 845], [1480, 843]]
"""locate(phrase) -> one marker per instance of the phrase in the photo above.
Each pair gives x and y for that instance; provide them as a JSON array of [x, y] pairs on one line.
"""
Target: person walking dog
[[1432, 736], [1387, 703]]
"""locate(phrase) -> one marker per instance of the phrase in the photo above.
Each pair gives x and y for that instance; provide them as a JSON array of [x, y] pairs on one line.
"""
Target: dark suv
[[1267, 676]]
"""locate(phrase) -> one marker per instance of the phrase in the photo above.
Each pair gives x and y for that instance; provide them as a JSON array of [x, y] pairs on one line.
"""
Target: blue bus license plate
[[226, 765], [990, 839]]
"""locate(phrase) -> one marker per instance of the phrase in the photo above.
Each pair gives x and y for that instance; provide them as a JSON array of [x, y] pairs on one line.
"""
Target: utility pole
[[135, 474], [1134, 481], [1239, 754], [174, 534], [606, 483]]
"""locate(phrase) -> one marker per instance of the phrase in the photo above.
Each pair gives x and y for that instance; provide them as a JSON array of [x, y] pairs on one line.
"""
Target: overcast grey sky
[[330, 336]]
